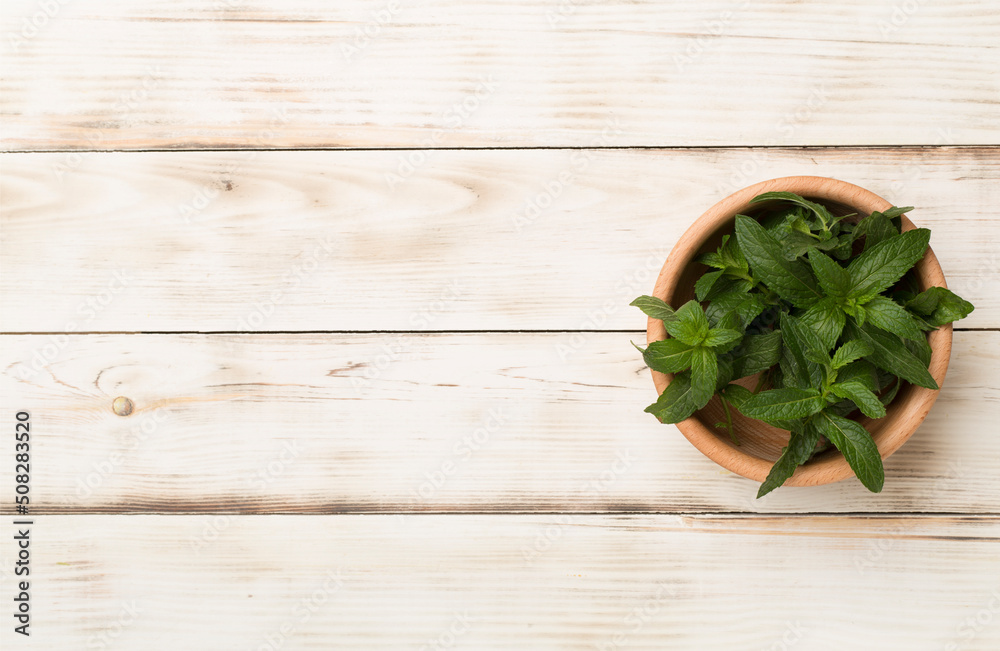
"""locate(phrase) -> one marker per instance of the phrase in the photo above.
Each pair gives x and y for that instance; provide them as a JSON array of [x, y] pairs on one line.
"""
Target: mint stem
[[761, 380], [729, 419]]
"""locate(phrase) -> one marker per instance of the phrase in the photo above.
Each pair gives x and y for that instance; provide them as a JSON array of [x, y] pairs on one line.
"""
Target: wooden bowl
[[760, 444]]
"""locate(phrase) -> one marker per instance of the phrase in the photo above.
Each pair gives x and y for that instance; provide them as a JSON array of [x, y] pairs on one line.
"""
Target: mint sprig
[[817, 316]]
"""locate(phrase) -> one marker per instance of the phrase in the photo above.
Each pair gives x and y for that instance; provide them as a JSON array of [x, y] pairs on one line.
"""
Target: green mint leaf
[[733, 256], [788, 425], [818, 358], [757, 353], [861, 396], [676, 403], [826, 319], [692, 314], [796, 244], [727, 284], [833, 279], [783, 404], [796, 367], [791, 280], [704, 373], [727, 257], [920, 349], [725, 372], [858, 448], [799, 224], [855, 310], [712, 259], [704, 284], [722, 339], [821, 211], [925, 302], [736, 395], [884, 379], [729, 321], [861, 371], [845, 243], [842, 407], [890, 395], [850, 351], [940, 306], [828, 244], [887, 314], [800, 447], [878, 268], [894, 212], [889, 353], [667, 356], [747, 306], [654, 307], [689, 324], [875, 228], [778, 221]]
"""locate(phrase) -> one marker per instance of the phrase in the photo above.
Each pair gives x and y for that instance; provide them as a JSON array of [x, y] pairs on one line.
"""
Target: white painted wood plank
[[166, 74], [472, 240], [504, 582], [440, 423]]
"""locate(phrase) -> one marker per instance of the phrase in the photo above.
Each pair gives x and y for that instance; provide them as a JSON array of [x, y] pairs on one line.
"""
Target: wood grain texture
[[112, 74], [530, 422], [504, 582], [471, 240]]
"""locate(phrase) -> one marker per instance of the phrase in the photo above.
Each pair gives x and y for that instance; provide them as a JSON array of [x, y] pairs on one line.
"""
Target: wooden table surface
[[363, 272]]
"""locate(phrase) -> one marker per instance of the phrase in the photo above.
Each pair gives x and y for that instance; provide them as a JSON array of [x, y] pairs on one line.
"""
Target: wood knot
[[122, 406]]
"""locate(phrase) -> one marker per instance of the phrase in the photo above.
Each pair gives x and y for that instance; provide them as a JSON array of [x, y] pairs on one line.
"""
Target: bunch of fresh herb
[[823, 309]]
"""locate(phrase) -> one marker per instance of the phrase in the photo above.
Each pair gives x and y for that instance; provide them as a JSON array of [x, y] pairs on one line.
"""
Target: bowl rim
[[893, 433]]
